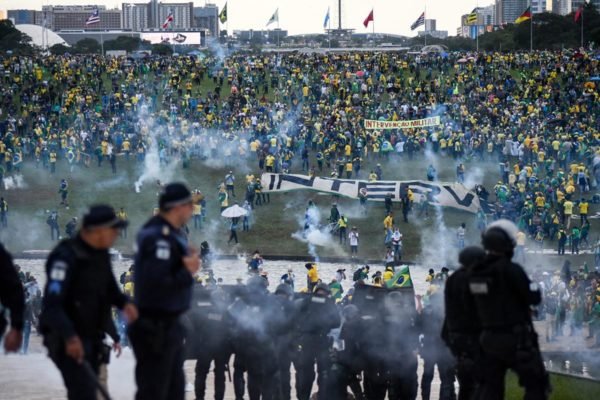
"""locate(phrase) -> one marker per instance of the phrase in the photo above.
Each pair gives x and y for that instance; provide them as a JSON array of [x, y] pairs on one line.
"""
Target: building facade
[[575, 4], [182, 15], [509, 10], [73, 17], [538, 6], [207, 17], [136, 16]]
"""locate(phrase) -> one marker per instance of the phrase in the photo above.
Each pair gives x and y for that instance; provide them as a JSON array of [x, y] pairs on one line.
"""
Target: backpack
[[357, 275]]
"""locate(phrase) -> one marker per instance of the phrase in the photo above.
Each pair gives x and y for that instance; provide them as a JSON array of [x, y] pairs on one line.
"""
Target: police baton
[[92, 375]]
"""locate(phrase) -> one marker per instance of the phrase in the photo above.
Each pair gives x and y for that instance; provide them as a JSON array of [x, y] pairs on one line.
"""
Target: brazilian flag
[[400, 279], [223, 14]]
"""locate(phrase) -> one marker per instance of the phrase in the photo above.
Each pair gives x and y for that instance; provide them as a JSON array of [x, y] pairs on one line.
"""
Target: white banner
[[417, 123], [453, 195]]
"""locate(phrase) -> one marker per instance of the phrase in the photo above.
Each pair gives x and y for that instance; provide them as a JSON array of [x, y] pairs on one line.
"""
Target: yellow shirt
[[388, 222], [568, 207], [313, 275], [583, 208]]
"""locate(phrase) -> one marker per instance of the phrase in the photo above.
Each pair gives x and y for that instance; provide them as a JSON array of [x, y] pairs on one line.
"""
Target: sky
[[307, 16]]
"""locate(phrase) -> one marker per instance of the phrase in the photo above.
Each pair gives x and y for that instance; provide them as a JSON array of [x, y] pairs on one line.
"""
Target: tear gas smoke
[[14, 182]]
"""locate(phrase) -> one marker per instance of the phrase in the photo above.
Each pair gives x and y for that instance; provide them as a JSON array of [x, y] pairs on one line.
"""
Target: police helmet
[[257, 284], [350, 312], [470, 255], [321, 287], [285, 290], [500, 236]]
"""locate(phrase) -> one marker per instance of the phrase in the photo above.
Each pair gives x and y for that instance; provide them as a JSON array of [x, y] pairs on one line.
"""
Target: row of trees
[[550, 31]]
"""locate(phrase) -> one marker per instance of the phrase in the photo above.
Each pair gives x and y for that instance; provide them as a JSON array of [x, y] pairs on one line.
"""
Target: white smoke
[[314, 234], [14, 182], [153, 170]]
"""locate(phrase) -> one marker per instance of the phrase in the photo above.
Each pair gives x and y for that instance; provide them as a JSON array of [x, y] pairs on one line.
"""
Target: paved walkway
[[34, 377]]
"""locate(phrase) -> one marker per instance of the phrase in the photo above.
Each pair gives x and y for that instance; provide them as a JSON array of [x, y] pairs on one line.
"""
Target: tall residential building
[[509, 10], [136, 16], [562, 7], [22, 16], [182, 15], [577, 3], [73, 17], [430, 24], [207, 17], [538, 6]]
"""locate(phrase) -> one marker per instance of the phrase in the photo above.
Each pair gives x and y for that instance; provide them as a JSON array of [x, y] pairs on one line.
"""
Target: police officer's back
[[164, 268], [503, 296], [461, 325], [11, 297], [79, 294], [317, 315]]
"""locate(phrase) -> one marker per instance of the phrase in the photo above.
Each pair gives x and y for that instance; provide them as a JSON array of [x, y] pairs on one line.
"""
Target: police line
[[453, 195], [416, 123]]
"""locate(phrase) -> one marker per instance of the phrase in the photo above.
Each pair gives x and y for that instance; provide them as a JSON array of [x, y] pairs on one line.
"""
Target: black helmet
[[500, 237], [350, 312], [285, 290], [322, 287], [470, 255], [257, 284]]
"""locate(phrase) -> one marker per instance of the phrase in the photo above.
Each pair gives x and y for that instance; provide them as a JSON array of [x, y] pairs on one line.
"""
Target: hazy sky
[[307, 16]]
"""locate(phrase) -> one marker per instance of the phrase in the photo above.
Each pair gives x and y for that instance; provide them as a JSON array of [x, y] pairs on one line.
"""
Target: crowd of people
[[535, 115]]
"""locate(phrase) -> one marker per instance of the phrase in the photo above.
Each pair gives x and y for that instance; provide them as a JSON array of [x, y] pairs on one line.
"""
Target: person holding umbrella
[[234, 212]]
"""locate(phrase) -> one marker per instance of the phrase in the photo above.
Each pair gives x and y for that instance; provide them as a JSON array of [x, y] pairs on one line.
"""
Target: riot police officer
[[284, 295], [461, 325], [164, 269], [347, 360], [11, 297], [79, 293], [254, 317], [503, 296], [211, 339], [433, 350], [317, 315]]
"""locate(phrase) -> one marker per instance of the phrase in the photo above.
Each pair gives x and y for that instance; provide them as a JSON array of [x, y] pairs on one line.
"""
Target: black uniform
[[503, 295], [347, 360], [11, 292], [163, 290], [209, 339], [461, 331], [434, 352], [255, 316], [316, 317], [79, 293], [284, 343]]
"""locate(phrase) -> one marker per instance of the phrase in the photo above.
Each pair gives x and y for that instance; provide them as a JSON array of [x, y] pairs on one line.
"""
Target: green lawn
[[424, 238], [563, 388]]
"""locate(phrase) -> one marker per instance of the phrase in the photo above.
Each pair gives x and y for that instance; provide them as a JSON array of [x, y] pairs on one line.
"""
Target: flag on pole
[[578, 13], [94, 18], [326, 21], [524, 17], [274, 17], [472, 17], [400, 279], [420, 21], [168, 21], [370, 18], [223, 14]]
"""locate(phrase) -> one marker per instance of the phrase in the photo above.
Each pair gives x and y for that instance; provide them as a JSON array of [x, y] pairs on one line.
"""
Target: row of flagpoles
[[527, 15]]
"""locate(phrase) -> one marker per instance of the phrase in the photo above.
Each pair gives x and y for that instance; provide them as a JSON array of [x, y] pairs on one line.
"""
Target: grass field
[[563, 388], [425, 239]]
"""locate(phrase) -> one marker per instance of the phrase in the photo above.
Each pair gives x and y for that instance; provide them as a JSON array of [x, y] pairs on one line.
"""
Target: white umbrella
[[234, 211]]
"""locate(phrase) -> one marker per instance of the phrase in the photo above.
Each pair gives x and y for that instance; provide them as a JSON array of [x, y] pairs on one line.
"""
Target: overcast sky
[[307, 16]]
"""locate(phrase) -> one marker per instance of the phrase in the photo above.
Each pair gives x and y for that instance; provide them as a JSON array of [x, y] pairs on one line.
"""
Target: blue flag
[[326, 21]]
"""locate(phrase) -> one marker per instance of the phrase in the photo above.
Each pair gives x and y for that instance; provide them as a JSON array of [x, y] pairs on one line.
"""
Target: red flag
[[578, 13], [368, 19], [169, 20]]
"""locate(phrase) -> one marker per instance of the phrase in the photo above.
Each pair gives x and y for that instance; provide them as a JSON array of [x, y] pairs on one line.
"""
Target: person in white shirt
[[397, 243], [353, 237]]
